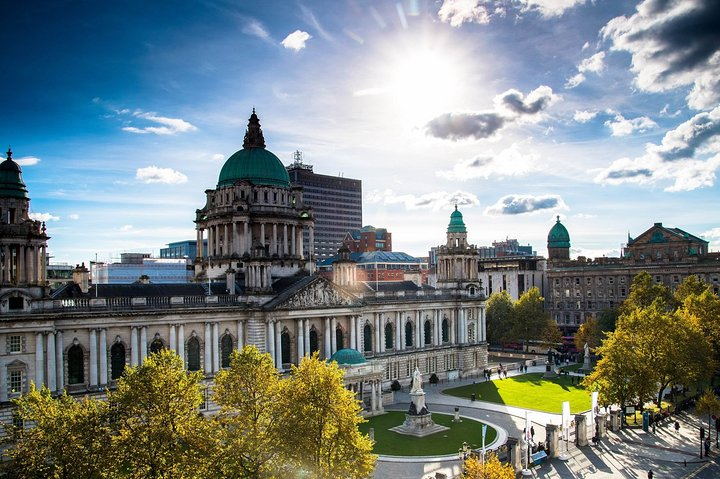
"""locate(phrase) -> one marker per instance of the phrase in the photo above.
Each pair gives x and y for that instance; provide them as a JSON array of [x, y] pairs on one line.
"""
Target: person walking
[[650, 474]]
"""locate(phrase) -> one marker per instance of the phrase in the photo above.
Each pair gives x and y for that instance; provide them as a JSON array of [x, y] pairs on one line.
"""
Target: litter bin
[[472, 396]]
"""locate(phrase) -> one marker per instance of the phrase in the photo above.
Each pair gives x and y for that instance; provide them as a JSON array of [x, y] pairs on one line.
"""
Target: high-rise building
[[336, 202], [367, 239]]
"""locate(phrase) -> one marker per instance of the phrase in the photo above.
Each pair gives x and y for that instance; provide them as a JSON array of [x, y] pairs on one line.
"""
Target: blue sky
[[605, 113]]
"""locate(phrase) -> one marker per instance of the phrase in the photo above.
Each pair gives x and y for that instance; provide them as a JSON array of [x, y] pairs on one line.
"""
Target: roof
[[659, 235], [11, 182], [348, 356], [457, 225], [376, 257], [558, 237], [393, 286], [254, 163]]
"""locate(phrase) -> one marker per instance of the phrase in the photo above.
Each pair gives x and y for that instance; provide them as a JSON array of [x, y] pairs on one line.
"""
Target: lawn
[[447, 442], [528, 391]]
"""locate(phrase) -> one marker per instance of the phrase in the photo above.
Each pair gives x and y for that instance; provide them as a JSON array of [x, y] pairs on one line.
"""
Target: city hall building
[[255, 283]]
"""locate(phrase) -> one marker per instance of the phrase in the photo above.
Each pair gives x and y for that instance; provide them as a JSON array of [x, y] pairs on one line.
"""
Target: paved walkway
[[628, 453]]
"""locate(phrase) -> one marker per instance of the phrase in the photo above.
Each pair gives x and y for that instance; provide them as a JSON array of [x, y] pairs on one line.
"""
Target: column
[[381, 320], [300, 339], [333, 335], [216, 347], [380, 396], [262, 234], [373, 397], [353, 332], [271, 340], [376, 328], [437, 340], [59, 365], [235, 239], [451, 326], [93, 358], [143, 344], [134, 349], [273, 240], [292, 241], [173, 338], [39, 359], [307, 336], [181, 342], [240, 335], [483, 322], [51, 357], [285, 240], [21, 264], [299, 242], [278, 345], [102, 351], [208, 349], [326, 339], [211, 242], [199, 251], [246, 238], [418, 329], [358, 336], [311, 245]]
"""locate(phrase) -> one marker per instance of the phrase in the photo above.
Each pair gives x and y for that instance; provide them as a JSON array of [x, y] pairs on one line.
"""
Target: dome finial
[[9, 153], [254, 135], [558, 218], [456, 206]]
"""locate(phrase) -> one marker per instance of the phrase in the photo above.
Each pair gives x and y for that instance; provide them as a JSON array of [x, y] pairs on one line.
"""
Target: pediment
[[318, 294]]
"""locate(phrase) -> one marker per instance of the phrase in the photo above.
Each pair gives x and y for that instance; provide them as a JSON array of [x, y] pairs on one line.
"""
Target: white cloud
[[27, 160], [621, 126], [585, 46], [712, 234], [673, 44], [434, 201], [217, 157], [509, 162], [523, 204], [574, 80], [296, 40], [74, 216], [594, 64], [43, 217], [153, 174], [372, 91], [584, 116], [457, 12], [125, 228], [171, 126], [550, 8], [256, 29]]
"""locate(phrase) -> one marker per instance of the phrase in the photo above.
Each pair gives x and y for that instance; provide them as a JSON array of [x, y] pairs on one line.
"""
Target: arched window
[[367, 338], [389, 336], [226, 347], [445, 331], [339, 339], [156, 346], [76, 365], [117, 360], [471, 332], [409, 334], [313, 340], [428, 332], [193, 354], [285, 347]]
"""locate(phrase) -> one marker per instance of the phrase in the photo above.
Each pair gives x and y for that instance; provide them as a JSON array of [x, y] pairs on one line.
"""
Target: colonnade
[[376, 397], [237, 238], [23, 263]]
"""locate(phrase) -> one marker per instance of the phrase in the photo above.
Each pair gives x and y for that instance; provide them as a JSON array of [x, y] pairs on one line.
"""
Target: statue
[[417, 381], [586, 349]]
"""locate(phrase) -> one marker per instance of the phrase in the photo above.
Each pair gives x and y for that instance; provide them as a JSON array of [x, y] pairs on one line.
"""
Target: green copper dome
[[558, 236], [254, 163], [348, 357], [457, 225], [11, 182]]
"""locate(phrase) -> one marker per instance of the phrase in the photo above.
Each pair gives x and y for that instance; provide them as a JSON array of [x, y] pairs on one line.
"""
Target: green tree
[[158, 429], [589, 332], [708, 404], [251, 432], [500, 317], [530, 318], [321, 423], [691, 286], [68, 438], [607, 319], [644, 292], [702, 308], [551, 335], [492, 468]]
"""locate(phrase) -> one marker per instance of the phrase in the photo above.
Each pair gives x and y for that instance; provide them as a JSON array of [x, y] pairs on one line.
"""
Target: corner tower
[[254, 220], [23, 242], [457, 261], [558, 242]]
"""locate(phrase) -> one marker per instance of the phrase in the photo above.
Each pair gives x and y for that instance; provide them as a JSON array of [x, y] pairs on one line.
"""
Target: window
[[313, 340], [557, 281], [367, 338], [471, 332], [408, 334], [226, 347], [622, 280], [445, 331], [16, 303], [658, 279], [427, 329], [589, 294], [611, 280], [676, 279], [577, 281], [76, 365], [15, 344], [388, 336], [156, 346], [339, 338], [285, 347], [117, 360], [622, 292], [193, 354], [15, 381], [588, 280]]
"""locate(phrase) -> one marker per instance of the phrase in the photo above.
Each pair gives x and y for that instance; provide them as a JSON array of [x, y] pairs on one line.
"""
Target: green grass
[[528, 391], [447, 442]]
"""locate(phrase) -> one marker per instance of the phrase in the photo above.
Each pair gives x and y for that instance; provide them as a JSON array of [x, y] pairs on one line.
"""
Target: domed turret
[[457, 225], [558, 242], [350, 357], [254, 163], [11, 182]]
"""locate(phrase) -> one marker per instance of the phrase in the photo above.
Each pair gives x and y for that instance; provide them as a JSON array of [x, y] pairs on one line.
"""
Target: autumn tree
[[251, 430], [644, 292], [500, 317], [701, 307], [159, 432], [588, 333], [708, 404], [551, 335], [607, 319], [530, 317], [321, 423], [68, 437], [491, 468]]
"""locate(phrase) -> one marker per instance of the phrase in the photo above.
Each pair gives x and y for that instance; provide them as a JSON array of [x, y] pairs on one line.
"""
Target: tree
[[643, 292], [702, 309], [708, 404], [322, 419], [607, 319], [530, 317], [492, 468], [251, 431], [589, 332], [691, 286], [68, 440], [551, 335], [500, 317], [158, 429]]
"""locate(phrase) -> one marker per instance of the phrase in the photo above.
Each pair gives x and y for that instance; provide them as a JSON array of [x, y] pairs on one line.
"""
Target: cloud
[[673, 43], [217, 157], [510, 107], [687, 157], [74, 216], [593, 64], [153, 174], [372, 91], [509, 162], [43, 217], [296, 40], [126, 227], [584, 116], [550, 8], [574, 81], [712, 234], [310, 19], [27, 161], [621, 126], [171, 126], [457, 12], [522, 204], [434, 201], [256, 29]]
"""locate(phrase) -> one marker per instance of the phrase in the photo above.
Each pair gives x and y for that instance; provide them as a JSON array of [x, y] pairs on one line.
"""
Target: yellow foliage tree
[[492, 468]]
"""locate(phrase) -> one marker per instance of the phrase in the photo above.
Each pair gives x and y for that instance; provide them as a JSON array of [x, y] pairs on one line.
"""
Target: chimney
[[81, 276]]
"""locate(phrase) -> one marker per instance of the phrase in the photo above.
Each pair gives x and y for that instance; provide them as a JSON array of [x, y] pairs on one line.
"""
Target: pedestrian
[[532, 432], [650, 474], [677, 427]]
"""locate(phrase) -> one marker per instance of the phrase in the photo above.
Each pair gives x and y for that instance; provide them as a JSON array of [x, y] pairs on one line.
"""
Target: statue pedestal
[[549, 372], [418, 420]]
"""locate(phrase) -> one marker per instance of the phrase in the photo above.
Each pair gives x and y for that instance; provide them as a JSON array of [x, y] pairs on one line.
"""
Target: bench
[[538, 457]]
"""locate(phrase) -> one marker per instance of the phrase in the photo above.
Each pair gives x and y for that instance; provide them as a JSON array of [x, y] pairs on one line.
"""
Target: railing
[[135, 303]]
